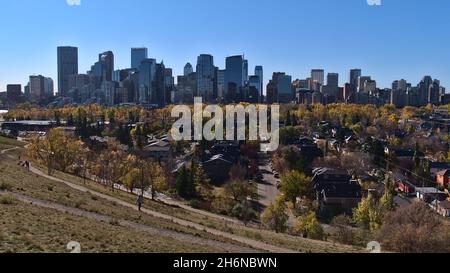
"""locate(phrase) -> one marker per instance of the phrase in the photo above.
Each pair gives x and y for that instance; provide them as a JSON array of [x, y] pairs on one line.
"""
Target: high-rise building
[[260, 73], [48, 87], [354, 76], [279, 89], [235, 73], [221, 83], [399, 96], [361, 82], [206, 72], [67, 65], [330, 91], [370, 86], [109, 91], [78, 80], [13, 92], [138, 54], [188, 69], [333, 80], [107, 63], [434, 92], [424, 89], [255, 82], [318, 75], [284, 87], [159, 97], [122, 74], [245, 71], [147, 75], [37, 87], [186, 88]]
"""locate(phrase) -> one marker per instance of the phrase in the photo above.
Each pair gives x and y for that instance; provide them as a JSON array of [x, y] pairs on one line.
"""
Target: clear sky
[[399, 39]]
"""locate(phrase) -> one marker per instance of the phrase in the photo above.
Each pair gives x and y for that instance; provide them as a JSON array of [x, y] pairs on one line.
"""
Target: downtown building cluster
[[150, 83]]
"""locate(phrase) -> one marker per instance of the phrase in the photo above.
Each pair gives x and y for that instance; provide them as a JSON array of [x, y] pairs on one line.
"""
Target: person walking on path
[[140, 201]]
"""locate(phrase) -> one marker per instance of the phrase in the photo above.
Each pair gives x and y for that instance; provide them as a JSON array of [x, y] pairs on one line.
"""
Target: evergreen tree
[[185, 187]]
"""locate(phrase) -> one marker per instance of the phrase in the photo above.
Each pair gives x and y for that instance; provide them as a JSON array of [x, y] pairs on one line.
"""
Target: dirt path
[[8, 150], [252, 243], [187, 238]]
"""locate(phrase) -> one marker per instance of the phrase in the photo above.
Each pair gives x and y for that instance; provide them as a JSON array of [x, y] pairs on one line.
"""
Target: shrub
[[5, 186], [7, 200]]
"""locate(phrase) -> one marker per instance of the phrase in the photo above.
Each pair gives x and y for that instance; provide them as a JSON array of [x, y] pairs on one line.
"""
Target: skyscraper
[[13, 92], [206, 72], [284, 87], [188, 69], [318, 75], [434, 92], [67, 65], [138, 54], [361, 82], [221, 83], [424, 89], [333, 80], [331, 90], [107, 61], [354, 75], [235, 73], [37, 87], [260, 73], [399, 96], [255, 82], [159, 97], [147, 74], [245, 71]]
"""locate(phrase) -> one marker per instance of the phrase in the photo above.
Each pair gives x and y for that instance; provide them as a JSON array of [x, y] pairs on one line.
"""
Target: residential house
[[336, 190], [443, 208], [443, 178], [218, 169], [436, 167], [429, 194], [158, 150]]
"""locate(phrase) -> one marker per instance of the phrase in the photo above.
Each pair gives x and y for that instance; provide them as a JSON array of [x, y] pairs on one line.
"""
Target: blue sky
[[399, 39]]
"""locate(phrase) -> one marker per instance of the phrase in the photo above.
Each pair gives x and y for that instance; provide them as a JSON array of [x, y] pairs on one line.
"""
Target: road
[[267, 189], [403, 201]]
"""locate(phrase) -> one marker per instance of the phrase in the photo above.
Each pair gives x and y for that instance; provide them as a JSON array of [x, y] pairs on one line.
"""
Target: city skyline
[[374, 52]]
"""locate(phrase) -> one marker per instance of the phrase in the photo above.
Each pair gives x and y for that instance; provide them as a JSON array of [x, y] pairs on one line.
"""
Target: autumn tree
[[203, 188], [344, 233], [110, 164], [294, 185], [275, 216], [55, 150], [309, 226], [414, 229], [368, 214], [152, 177]]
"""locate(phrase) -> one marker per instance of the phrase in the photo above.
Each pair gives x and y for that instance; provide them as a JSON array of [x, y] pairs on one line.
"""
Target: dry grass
[[16, 179], [28, 229], [266, 236]]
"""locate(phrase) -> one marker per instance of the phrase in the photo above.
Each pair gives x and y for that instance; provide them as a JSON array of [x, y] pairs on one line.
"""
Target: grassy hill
[[34, 228]]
